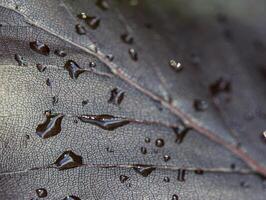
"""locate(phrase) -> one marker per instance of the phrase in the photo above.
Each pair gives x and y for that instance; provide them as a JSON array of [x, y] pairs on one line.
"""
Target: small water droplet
[[40, 67], [110, 57], [219, 86], [41, 192], [60, 53], [199, 171], [40, 47], [175, 65], [147, 140], [55, 100], [102, 4], [51, 126], [21, 61], [180, 133], [68, 160], [166, 158], [200, 105], [133, 54], [159, 142], [93, 22], [233, 166], [73, 69], [106, 122], [48, 82], [263, 136], [143, 150], [144, 170], [181, 175], [92, 64], [166, 179], [71, 197], [117, 96], [127, 38], [82, 15], [80, 29], [244, 184], [110, 150], [123, 178], [174, 197], [85, 102]]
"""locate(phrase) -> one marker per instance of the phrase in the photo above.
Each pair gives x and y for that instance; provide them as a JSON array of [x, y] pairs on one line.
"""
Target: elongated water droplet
[[80, 29], [143, 150], [41, 192], [200, 105], [51, 126], [117, 96], [60, 53], [71, 197], [159, 142], [181, 173], [48, 82], [40, 47], [68, 160], [93, 22], [180, 133], [133, 54], [219, 86], [106, 122], [166, 179], [73, 69], [144, 170], [102, 4], [175, 65], [123, 178], [127, 38], [174, 197], [147, 140], [40, 67], [166, 158], [82, 15], [21, 61]]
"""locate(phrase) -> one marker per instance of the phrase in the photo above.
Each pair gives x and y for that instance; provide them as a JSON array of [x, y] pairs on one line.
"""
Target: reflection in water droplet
[[80, 29], [199, 171], [126, 38], [143, 150], [166, 158], [144, 170], [68, 160], [174, 197], [102, 4], [73, 69], [82, 15], [71, 197], [180, 133], [116, 97], [21, 61], [181, 175], [40, 67], [175, 65], [60, 53], [159, 142], [147, 140], [219, 86], [106, 122], [123, 178], [41, 192], [166, 179], [40, 47], [51, 126], [133, 54], [200, 105], [93, 22]]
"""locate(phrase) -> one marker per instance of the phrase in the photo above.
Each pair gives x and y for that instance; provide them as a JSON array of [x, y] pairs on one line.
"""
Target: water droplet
[[106, 122], [71, 197], [127, 38], [143, 150], [244, 184], [68, 160], [123, 178], [102, 4], [166, 158], [181, 175], [40, 67], [147, 140], [93, 22], [73, 69], [233, 166], [55, 100], [60, 53], [159, 142], [41, 192], [40, 47], [199, 171], [21, 61], [117, 96], [51, 126], [263, 136], [110, 57], [180, 133], [175, 65], [80, 29], [109, 149], [133, 54], [174, 197], [200, 105], [219, 86], [85, 102], [92, 64], [48, 82], [166, 179], [144, 170], [82, 15]]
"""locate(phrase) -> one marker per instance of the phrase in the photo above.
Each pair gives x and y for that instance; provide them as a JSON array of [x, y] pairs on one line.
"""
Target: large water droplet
[[123, 178], [219, 86], [102, 4], [174, 197], [106, 122], [144, 170], [73, 69], [181, 173], [41, 192], [175, 65], [117, 96], [40, 67], [21, 61], [159, 142], [68, 160], [60, 53], [71, 197], [51, 126], [133, 54], [93, 22], [80, 29], [40, 47], [200, 105], [127, 38]]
